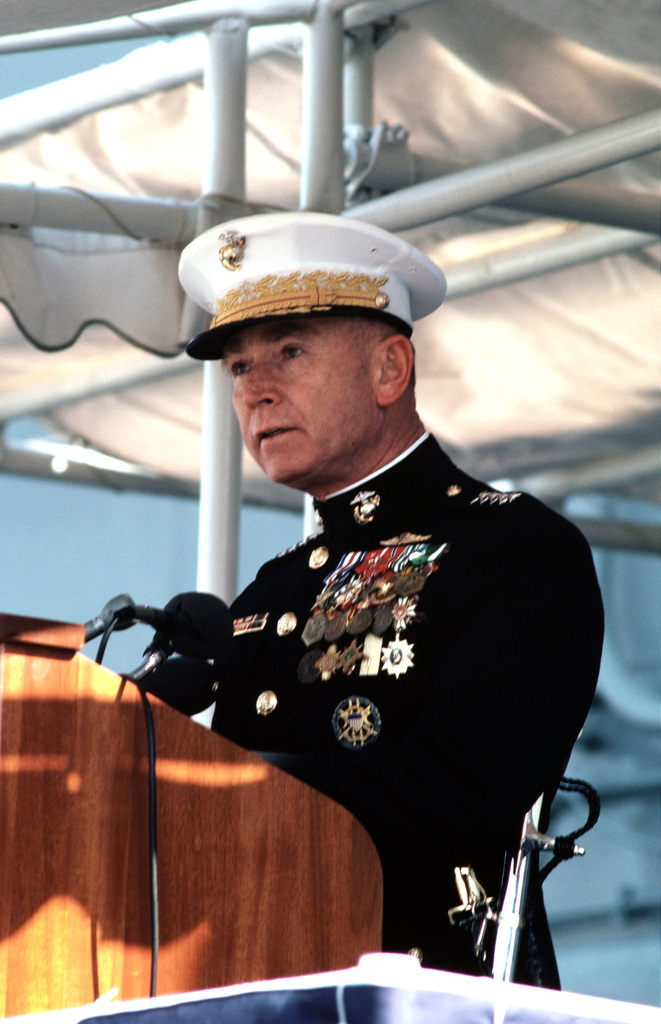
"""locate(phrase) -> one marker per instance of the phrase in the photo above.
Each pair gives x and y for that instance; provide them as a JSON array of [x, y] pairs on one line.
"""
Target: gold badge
[[286, 624], [318, 558], [232, 250], [453, 490], [364, 506], [405, 538], [266, 702]]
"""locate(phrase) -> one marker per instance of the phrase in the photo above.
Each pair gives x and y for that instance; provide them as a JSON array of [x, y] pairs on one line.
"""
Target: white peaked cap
[[303, 264]]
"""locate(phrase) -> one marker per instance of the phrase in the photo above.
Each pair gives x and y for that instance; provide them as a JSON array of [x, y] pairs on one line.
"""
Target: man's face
[[304, 394]]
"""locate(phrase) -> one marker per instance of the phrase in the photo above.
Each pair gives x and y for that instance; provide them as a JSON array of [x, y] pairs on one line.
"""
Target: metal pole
[[358, 99], [220, 478], [466, 190], [322, 164], [574, 246]]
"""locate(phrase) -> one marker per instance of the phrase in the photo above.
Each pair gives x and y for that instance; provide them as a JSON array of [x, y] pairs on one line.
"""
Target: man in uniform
[[429, 656]]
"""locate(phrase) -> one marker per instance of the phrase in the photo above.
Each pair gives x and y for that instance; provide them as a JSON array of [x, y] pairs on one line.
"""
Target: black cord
[[153, 873], [104, 639], [151, 757], [564, 845]]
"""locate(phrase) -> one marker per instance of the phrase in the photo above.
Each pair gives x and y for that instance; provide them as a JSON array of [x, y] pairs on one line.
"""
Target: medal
[[307, 671], [336, 627], [329, 663], [371, 660], [403, 612], [314, 628], [360, 622], [350, 656], [397, 657], [356, 722], [407, 583], [382, 621]]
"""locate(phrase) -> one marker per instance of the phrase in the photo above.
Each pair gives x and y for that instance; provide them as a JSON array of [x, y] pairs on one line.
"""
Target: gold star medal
[[397, 657]]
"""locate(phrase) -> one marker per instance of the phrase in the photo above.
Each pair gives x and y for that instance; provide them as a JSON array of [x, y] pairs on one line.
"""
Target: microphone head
[[205, 628]]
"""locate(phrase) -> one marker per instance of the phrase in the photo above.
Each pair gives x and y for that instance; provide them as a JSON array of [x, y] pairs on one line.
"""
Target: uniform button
[[318, 557], [266, 702], [453, 490], [416, 952], [286, 624]]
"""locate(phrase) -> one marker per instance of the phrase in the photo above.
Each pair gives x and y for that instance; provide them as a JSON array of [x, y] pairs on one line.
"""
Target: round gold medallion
[[266, 702], [318, 558]]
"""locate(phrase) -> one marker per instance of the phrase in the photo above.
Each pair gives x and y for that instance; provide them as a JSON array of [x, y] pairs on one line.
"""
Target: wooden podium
[[259, 876]]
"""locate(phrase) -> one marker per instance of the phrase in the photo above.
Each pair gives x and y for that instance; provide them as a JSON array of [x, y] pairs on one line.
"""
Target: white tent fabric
[[552, 371]]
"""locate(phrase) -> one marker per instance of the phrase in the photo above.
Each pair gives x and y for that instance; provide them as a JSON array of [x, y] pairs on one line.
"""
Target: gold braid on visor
[[299, 293]]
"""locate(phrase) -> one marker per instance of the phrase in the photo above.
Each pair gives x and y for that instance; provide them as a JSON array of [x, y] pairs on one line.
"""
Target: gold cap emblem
[[232, 251]]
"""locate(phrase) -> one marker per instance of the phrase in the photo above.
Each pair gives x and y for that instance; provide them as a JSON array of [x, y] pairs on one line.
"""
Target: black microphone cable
[[151, 762]]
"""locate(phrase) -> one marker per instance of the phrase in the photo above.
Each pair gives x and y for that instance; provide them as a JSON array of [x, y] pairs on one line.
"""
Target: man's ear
[[394, 357]]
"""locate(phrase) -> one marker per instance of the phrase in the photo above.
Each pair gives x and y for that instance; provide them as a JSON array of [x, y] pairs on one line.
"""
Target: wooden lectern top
[[19, 629]]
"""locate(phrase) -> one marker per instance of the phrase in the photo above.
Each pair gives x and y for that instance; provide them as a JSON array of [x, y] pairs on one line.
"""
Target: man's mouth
[[272, 433]]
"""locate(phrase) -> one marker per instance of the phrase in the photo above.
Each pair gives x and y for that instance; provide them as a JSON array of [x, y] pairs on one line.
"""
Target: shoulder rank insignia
[[356, 722], [495, 497]]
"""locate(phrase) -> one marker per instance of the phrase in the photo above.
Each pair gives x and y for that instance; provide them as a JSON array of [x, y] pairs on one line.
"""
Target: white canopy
[[543, 360]]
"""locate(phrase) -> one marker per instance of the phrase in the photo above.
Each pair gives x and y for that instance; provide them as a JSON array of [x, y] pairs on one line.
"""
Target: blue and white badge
[[356, 722]]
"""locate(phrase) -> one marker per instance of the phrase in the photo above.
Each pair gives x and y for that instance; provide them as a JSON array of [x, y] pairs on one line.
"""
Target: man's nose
[[260, 386]]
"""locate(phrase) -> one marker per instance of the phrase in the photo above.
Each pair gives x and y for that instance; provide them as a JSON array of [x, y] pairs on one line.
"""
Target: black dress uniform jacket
[[477, 678]]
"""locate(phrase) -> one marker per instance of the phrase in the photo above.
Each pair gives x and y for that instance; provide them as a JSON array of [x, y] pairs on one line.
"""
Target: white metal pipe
[[322, 163], [162, 220], [191, 17], [466, 190], [574, 246], [146, 70], [358, 98], [220, 480]]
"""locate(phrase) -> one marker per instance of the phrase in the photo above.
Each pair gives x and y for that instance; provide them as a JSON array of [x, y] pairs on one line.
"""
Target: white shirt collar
[[384, 469]]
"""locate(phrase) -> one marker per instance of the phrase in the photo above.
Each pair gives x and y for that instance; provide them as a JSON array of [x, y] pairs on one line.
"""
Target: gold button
[[266, 702], [286, 624], [416, 952], [318, 558], [453, 490]]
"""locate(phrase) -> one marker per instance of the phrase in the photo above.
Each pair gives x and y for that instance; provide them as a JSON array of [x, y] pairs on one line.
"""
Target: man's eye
[[238, 368], [291, 351]]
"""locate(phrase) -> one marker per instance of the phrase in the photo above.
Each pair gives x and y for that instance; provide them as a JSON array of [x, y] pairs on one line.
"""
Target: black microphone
[[198, 626], [120, 609]]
